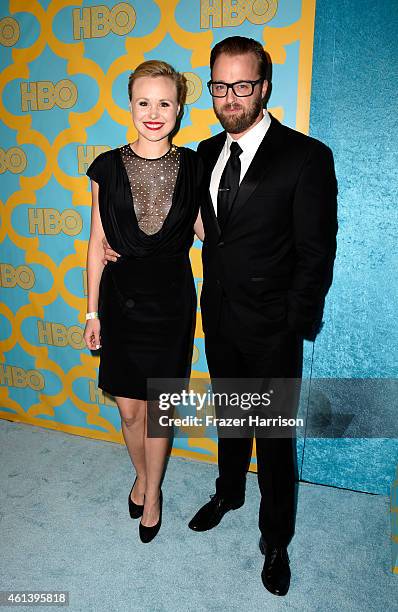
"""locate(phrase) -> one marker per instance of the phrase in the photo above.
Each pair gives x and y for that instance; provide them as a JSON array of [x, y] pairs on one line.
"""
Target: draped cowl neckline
[[119, 219]]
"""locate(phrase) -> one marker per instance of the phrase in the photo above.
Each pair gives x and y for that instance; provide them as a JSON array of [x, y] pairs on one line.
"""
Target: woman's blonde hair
[[156, 68]]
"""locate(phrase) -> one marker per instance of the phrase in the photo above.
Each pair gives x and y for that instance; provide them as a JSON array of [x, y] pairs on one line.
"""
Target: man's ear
[[178, 110], [130, 107], [264, 89]]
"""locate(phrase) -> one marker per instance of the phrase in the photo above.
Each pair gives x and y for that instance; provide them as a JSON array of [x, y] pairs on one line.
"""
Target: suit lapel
[[212, 156], [254, 175], [256, 171]]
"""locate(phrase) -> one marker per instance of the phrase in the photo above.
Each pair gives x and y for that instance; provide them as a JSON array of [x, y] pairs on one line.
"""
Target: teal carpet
[[65, 526]]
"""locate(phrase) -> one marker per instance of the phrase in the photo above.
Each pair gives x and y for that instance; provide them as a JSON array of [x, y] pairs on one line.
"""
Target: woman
[[145, 202]]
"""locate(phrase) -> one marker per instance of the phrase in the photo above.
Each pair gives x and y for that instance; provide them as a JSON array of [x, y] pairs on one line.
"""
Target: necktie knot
[[235, 149]]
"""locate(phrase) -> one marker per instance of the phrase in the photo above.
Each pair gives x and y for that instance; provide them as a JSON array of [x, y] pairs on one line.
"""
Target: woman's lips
[[153, 125]]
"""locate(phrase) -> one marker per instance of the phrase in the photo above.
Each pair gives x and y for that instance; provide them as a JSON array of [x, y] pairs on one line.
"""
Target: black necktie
[[229, 185]]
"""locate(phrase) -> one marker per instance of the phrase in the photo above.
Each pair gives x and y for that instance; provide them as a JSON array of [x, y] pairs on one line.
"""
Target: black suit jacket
[[274, 260]]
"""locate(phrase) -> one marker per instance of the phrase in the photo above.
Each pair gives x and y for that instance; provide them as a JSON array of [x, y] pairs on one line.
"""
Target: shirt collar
[[254, 136]]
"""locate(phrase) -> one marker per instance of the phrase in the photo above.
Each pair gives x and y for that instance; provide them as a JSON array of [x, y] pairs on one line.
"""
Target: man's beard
[[239, 122]]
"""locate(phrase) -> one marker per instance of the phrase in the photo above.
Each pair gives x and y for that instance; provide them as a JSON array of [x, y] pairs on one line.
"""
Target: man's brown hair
[[239, 45]]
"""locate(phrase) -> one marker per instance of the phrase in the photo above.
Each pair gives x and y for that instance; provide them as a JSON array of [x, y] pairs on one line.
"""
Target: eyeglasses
[[241, 89]]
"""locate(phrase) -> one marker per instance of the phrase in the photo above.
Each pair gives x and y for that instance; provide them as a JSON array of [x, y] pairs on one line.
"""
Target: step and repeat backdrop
[[63, 100]]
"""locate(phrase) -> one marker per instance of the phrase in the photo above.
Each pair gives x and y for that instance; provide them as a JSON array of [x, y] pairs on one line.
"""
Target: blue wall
[[354, 110]]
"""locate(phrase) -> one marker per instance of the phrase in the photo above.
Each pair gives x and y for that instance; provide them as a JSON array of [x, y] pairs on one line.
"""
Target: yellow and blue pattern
[[63, 99]]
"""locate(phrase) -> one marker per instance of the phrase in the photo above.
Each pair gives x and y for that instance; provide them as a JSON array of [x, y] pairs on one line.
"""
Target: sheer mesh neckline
[[152, 186], [172, 149]]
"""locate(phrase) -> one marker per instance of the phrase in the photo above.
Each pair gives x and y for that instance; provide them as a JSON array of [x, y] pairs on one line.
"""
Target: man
[[267, 258], [270, 225]]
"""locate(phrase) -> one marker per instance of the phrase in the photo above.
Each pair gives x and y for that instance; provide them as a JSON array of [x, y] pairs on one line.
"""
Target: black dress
[[147, 299]]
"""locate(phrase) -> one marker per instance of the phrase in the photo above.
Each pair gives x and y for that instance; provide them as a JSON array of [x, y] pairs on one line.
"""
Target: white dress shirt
[[249, 144]]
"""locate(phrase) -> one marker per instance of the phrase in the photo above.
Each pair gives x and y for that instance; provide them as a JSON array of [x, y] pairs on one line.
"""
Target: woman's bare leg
[[156, 450], [132, 414]]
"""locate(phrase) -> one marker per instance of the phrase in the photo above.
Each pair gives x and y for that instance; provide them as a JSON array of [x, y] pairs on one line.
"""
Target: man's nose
[[230, 96]]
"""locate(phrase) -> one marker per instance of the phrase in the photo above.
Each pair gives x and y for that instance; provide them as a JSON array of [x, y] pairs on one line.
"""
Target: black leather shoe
[[211, 513], [148, 533], [135, 510], [276, 570]]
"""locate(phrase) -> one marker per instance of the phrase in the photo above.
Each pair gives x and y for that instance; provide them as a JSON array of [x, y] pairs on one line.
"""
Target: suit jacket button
[[221, 243], [130, 303]]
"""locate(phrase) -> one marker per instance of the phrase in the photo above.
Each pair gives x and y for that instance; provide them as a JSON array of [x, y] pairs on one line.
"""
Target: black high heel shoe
[[135, 510], [148, 533]]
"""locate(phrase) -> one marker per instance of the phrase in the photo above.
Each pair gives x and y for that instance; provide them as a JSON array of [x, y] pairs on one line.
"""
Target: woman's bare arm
[[95, 267], [95, 250]]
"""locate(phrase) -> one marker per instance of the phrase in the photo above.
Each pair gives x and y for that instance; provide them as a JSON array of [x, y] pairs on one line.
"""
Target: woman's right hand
[[92, 336]]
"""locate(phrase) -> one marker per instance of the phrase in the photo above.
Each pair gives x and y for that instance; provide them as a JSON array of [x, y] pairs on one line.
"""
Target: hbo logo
[[13, 159], [9, 31], [98, 21], [43, 95], [57, 334], [87, 154], [226, 13], [13, 376], [10, 277], [194, 87], [51, 221], [97, 396]]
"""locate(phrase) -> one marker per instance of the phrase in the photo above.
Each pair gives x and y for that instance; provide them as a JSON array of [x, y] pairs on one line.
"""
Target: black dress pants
[[278, 355]]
